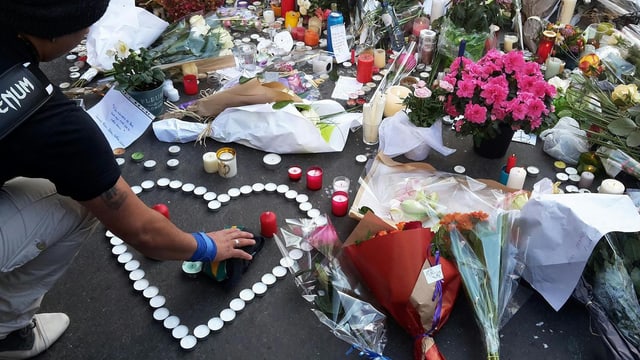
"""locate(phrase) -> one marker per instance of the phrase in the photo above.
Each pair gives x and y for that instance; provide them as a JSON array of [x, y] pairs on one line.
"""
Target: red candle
[[339, 203], [314, 178], [419, 23], [511, 162], [190, 82], [545, 46], [295, 173], [286, 6], [268, 224], [298, 33], [365, 68]]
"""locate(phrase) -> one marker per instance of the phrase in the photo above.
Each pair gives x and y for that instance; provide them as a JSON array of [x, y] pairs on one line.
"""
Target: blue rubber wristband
[[206, 250]]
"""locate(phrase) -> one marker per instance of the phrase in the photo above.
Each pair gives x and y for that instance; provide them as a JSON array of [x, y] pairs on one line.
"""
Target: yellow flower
[[625, 95]]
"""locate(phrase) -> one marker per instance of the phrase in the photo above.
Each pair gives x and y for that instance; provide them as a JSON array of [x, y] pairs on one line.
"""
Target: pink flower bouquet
[[498, 89]]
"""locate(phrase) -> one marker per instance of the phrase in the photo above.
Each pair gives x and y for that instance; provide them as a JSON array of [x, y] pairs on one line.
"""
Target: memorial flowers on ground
[[424, 104], [498, 89]]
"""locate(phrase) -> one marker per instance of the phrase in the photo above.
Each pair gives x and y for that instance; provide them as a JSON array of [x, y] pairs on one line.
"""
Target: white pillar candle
[[586, 179], [611, 186], [269, 16], [553, 67], [517, 175], [566, 13], [437, 9], [394, 98], [210, 162], [379, 58]]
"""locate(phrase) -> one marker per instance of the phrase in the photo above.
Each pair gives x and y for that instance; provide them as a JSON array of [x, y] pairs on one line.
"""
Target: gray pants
[[40, 233]]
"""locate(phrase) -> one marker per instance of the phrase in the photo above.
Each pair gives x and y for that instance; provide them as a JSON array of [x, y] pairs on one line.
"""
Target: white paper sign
[[339, 43], [121, 120], [433, 274]]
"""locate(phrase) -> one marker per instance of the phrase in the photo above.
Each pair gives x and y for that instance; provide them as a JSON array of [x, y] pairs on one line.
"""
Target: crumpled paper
[[282, 131], [123, 26], [400, 136]]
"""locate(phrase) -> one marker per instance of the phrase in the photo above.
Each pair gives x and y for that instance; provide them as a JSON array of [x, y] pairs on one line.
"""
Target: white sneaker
[[30, 341]]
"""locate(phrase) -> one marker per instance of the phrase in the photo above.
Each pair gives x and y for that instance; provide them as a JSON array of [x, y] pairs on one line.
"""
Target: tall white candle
[[517, 175], [553, 67], [394, 97], [509, 40], [611, 186], [566, 13], [437, 9], [586, 179], [210, 162]]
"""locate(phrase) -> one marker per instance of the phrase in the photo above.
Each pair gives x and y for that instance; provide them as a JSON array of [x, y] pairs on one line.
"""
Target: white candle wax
[[611, 186], [517, 175], [210, 162], [586, 179], [437, 9], [509, 40], [269, 16], [566, 13], [379, 58], [394, 98], [553, 67]]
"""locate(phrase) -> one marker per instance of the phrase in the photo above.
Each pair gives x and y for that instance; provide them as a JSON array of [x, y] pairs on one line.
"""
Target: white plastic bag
[[122, 24], [565, 141], [283, 131], [399, 136]]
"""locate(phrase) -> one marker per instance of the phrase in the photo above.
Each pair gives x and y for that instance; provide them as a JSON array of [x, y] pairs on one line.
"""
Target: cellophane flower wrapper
[[418, 192], [193, 37], [490, 259], [392, 267], [312, 249], [450, 37]]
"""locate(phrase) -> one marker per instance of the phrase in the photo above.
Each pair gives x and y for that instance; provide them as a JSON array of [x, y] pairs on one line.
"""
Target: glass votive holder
[[339, 203], [314, 178], [341, 183]]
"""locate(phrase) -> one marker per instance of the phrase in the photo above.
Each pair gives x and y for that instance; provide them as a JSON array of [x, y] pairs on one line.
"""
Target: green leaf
[[634, 111], [302, 107], [622, 127], [281, 104], [633, 139], [244, 79]]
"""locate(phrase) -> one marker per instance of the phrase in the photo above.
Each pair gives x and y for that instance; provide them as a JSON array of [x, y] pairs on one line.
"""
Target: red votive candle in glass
[[297, 33], [311, 38], [295, 173], [314, 178], [190, 82], [339, 203], [547, 42], [365, 68], [268, 224]]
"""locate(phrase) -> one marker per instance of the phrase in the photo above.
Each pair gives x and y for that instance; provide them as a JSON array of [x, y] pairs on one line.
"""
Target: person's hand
[[229, 242]]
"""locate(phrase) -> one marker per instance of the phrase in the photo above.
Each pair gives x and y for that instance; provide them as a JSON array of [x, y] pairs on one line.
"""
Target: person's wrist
[[206, 249]]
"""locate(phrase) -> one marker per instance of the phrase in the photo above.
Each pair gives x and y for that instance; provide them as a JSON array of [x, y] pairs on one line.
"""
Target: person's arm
[[122, 212]]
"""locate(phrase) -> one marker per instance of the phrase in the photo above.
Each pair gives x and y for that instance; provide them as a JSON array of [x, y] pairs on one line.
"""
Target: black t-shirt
[[59, 142]]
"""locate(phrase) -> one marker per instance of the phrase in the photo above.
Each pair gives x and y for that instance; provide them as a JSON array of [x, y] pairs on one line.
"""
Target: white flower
[[560, 84]]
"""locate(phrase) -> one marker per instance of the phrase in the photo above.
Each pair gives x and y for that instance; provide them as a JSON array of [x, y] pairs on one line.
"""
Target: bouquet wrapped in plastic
[[417, 287], [311, 250], [489, 253]]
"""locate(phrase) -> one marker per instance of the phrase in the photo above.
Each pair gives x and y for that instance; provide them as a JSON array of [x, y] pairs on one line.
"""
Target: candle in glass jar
[[553, 67], [545, 46], [268, 224], [210, 162], [419, 23], [339, 203], [311, 38], [365, 68], [295, 173], [341, 183], [269, 16], [379, 58], [227, 165], [611, 186], [314, 178], [394, 97], [509, 40]]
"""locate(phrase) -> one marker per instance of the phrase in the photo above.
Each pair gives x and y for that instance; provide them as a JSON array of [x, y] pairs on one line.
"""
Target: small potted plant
[[137, 75]]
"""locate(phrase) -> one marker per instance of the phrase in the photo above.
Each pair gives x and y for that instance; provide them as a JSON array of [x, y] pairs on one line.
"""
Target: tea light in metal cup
[[136, 189], [214, 205], [201, 331], [571, 170], [157, 301], [227, 163], [270, 187], [188, 188], [227, 315], [180, 331], [134, 266], [233, 192], [246, 190], [215, 324], [116, 241], [224, 199], [279, 271], [171, 322], [302, 198], [199, 191], [237, 305], [173, 164], [259, 288], [282, 188], [305, 207], [313, 213], [109, 234], [148, 185], [141, 285], [150, 292], [268, 279], [562, 177], [272, 161], [161, 314], [257, 187], [247, 295], [191, 268], [210, 195], [174, 150], [175, 185], [119, 249], [149, 165], [287, 262], [188, 342], [290, 194], [163, 183], [574, 178], [341, 183], [295, 254], [125, 257]]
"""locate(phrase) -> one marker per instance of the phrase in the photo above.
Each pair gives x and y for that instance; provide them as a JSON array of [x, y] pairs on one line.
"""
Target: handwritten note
[[433, 274], [339, 43], [120, 119]]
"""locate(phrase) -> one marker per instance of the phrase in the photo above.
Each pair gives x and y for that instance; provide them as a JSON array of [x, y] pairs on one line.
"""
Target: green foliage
[[137, 71], [475, 15]]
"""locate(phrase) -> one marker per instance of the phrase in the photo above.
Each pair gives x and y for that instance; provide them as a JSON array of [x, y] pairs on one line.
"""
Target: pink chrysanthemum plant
[[498, 89]]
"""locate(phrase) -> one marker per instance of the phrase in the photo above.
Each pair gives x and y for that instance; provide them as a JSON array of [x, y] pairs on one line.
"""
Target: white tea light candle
[[210, 162], [611, 186]]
